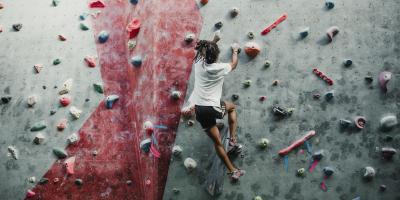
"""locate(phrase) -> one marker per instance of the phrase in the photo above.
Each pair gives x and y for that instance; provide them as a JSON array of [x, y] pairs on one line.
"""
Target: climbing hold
[[316, 95], [103, 36], [275, 82], [1, 29], [56, 180], [110, 100], [98, 87], [133, 28], [384, 78], [39, 138], [388, 122], [304, 32], [301, 172], [190, 122], [56, 61], [60, 153], [66, 87], [318, 155], [234, 12], [32, 179], [176, 95], [83, 16], [75, 112], [189, 37], [30, 194], [360, 121], [78, 182], [344, 123], [247, 83], [62, 124], [90, 61], [37, 68], [13, 152], [250, 35], [263, 143], [382, 188], [258, 198], [94, 153], [83, 27], [328, 171], [347, 62], [218, 25], [131, 44], [1, 6], [134, 2], [17, 27], [69, 165], [252, 49], [332, 32], [176, 150], [329, 4], [129, 182], [262, 98], [329, 95], [65, 101], [369, 79], [175, 190], [52, 112], [32, 100], [235, 97], [273, 25], [43, 181], [6, 99], [145, 145], [190, 164], [281, 111], [267, 64], [388, 153], [97, 4], [148, 127], [136, 61], [204, 2], [320, 74], [369, 173], [38, 126]]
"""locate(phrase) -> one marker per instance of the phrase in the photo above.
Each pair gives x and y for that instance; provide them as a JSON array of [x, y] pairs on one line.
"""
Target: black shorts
[[207, 115]]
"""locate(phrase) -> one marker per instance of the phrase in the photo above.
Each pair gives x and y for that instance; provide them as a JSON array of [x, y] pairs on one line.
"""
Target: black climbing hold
[[388, 153], [369, 79], [87, 100], [235, 97], [329, 5], [344, 123], [17, 27], [134, 2], [218, 25], [250, 35], [281, 111], [43, 181], [347, 62], [52, 112], [234, 12], [318, 155], [388, 138], [6, 99], [304, 33], [328, 171], [78, 181], [329, 95], [44, 87], [129, 182], [382, 188]]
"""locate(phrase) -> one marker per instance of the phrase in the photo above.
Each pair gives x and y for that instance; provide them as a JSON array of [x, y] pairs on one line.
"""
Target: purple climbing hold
[[384, 78], [110, 100]]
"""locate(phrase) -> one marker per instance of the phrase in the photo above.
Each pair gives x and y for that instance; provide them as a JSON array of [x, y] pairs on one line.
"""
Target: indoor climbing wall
[[328, 102]]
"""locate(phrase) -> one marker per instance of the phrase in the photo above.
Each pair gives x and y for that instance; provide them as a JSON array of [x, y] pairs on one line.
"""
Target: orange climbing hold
[[97, 4], [133, 28], [252, 49]]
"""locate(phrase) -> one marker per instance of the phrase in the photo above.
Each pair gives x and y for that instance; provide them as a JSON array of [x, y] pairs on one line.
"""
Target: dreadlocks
[[207, 50]]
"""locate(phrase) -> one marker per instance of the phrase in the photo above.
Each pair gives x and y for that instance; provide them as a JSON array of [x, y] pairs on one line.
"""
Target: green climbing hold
[[56, 61], [43, 181], [39, 126], [98, 88], [84, 27], [247, 83], [60, 153], [55, 3]]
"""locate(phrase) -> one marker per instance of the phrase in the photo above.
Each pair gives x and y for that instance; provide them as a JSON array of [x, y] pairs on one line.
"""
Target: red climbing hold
[[273, 25], [133, 28], [90, 61], [97, 4], [65, 101], [62, 38], [320, 74], [297, 143]]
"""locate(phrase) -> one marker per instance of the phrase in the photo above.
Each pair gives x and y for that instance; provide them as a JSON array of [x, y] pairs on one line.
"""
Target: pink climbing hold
[[154, 151], [133, 28], [62, 124], [90, 61], [69, 165], [384, 78], [323, 187], [273, 25], [65, 101], [97, 4], [30, 194]]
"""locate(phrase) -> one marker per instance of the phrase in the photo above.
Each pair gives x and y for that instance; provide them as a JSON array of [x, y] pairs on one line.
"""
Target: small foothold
[[75, 112], [98, 87], [131, 44], [382, 188], [57, 61], [90, 61], [328, 171], [148, 127], [62, 124], [110, 100], [6, 99], [203, 2], [1, 6], [263, 143], [175, 190], [347, 62], [70, 165], [83, 27], [234, 12], [56, 180], [329, 95], [97, 4], [281, 112], [103, 36], [52, 112], [275, 82], [133, 28], [329, 4], [55, 3], [384, 78], [267, 64], [247, 83], [134, 2], [83, 16], [30, 194], [258, 198], [316, 95], [65, 101], [73, 138], [129, 182], [13, 152], [318, 155], [176, 150], [218, 25], [136, 61], [39, 138], [43, 181], [87, 100], [301, 172], [360, 121], [332, 32], [32, 100], [38, 126], [145, 145], [304, 32], [262, 98], [388, 122], [190, 164], [344, 123], [17, 27], [250, 35], [78, 182], [94, 153], [190, 122], [148, 182], [60, 153], [369, 79], [189, 38], [388, 153], [44, 87], [38, 68], [252, 49], [176, 95], [235, 97], [369, 173]]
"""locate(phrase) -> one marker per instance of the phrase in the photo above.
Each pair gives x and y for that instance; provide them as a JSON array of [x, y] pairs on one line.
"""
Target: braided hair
[[207, 50]]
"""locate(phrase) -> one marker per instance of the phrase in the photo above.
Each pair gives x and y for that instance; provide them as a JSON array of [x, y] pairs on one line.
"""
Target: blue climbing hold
[[103, 36], [134, 2], [347, 62], [329, 5], [83, 16], [110, 100], [136, 61]]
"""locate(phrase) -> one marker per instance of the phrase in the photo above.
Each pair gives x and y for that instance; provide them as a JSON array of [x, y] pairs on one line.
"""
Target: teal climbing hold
[[110, 100], [83, 27], [103, 36], [39, 126], [98, 88], [55, 3], [56, 61], [136, 61], [60, 153]]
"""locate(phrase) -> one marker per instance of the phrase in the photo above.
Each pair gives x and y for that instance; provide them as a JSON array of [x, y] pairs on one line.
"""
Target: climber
[[205, 100]]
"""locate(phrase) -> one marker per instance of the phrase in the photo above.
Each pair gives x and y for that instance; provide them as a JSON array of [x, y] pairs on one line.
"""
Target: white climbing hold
[[32, 179], [131, 44], [39, 138], [176, 94], [32, 100], [73, 138], [176, 150], [75, 112], [66, 87], [389, 121], [258, 198], [369, 172], [13, 152], [190, 164]]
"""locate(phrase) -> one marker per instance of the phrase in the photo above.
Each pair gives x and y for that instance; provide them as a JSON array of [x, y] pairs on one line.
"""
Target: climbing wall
[[368, 35]]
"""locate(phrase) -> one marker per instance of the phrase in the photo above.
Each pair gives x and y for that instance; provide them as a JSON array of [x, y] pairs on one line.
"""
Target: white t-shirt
[[208, 82]]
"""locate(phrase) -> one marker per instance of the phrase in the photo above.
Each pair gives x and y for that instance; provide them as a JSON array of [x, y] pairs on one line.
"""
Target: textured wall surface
[[369, 35]]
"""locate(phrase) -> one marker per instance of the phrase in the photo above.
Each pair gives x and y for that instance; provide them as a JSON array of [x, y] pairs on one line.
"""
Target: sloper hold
[[97, 4], [65, 101], [328, 171], [369, 173], [176, 95], [263, 143], [332, 32], [134, 2], [203, 2], [133, 28], [384, 78], [98, 87], [388, 122], [136, 61], [189, 37], [252, 49], [83, 27], [145, 145], [60, 153], [190, 164], [103, 36], [110, 100], [39, 126]]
